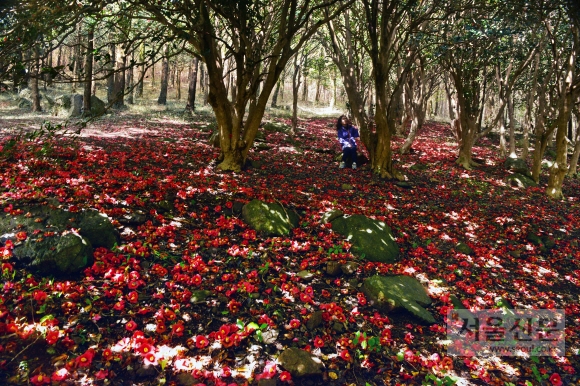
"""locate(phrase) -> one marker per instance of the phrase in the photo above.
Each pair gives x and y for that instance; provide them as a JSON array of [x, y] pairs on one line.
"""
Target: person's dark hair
[[339, 122]]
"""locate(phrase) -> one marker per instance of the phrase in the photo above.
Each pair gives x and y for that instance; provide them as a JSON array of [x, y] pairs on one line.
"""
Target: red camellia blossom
[[131, 325], [555, 380], [201, 341], [60, 375], [86, 359], [177, 329], [285, 376], [345, 355], [294, 323], [39, 296], [318, 342], [133, 297], [40, 379], [21, 236], [52, 336]]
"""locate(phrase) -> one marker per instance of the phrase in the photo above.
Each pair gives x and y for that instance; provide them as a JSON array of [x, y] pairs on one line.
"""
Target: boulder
[[270, 218], [97, 228], [63, 255], [299, 363], [24, 103], [392, 292], [520, 181], [517, 165], [277, 127], [371, 239], [76, 106], [51, 247], [331, 215], [97, 106]]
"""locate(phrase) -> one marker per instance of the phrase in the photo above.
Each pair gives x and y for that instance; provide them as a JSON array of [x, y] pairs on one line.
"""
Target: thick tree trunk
[[192, 86], [78, 62], [120, 81], [573, 169], [162, 100], [560, 166], [88, 86]]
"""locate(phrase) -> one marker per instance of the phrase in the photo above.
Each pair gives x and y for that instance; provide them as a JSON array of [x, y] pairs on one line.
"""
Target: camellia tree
[[260, 36]]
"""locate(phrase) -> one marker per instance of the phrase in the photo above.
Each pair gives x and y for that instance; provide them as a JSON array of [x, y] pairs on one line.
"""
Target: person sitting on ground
[[347, 135]]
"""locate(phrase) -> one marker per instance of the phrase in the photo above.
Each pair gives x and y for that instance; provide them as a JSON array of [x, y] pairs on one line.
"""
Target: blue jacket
[[347, 135]]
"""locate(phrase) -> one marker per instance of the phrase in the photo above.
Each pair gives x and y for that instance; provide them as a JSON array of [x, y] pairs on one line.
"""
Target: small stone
[[199, 296], [314, 321], [346, 187], [349, 268], [464, 248], [404, 185], [517, 253], [305, 275], [146, 372], [333, 268], [270, 336], [338, 327], [185, 379], [299, 363]]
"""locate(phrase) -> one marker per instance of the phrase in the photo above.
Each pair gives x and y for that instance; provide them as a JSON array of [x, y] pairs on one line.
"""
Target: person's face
[[344, 121]]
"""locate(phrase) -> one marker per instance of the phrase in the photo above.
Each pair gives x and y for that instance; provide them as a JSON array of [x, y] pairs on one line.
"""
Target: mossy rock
[[520, 181], [331, 215], [391, 292], [464, 248], [371, 239], [272, 219], [299, 363]]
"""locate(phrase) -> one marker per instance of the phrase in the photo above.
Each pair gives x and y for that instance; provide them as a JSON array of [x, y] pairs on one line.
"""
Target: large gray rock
[[97, 106], [369, 238], [271, 219], [299, 363], [391, 292], [63, 255], [51, 247], [76, 106], [277, 127]]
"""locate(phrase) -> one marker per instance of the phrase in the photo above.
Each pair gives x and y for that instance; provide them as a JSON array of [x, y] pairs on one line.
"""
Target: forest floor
[[128, 318]]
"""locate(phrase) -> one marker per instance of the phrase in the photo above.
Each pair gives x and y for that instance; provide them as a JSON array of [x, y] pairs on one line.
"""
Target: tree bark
[[192, 86], [295, 88], [573, 169], [141, 71], [88, 85], [130, 81], [120, 81], [275, 96], [162, 100], [111, 75]]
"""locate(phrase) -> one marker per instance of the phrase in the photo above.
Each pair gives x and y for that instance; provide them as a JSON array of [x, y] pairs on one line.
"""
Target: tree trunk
[[560, 166], [162, 100], [178, 83], [88, 71], [295, 88], [192, 86], [130, 81], [77, 69], [512, 126], [35, 92], [275, 96], [141, 71], [120, 81], [111, 75]]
